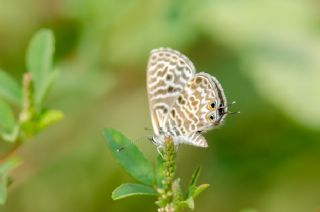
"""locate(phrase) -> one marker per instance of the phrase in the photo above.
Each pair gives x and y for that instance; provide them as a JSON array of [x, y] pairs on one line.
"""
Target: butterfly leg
[[159, 151]]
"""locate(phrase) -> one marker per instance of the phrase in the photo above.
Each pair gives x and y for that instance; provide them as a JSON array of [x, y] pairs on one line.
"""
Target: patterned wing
[[195, 139], [167, 74], [199, 107]]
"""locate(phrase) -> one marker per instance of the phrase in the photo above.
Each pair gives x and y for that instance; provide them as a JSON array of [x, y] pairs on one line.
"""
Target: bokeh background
[[265, 53]]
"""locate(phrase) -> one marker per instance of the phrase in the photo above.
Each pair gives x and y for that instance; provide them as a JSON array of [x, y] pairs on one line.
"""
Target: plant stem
[[27, 111], [25, 115], [170, 193], [10, 152]]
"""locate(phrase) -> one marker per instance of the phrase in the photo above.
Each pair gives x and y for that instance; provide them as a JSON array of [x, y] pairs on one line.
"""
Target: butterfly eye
[[221, 109]]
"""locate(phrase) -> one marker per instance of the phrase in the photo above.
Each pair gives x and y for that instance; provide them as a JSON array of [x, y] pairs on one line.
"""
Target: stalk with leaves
[[33, 117], [159, 181]]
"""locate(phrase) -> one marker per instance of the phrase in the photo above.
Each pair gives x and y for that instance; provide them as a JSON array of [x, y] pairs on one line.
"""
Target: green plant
[[157, 181], [29, 98]]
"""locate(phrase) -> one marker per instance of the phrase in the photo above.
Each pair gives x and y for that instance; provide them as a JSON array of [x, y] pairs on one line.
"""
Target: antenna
[[232, 103], [222, 107], [229, 112]]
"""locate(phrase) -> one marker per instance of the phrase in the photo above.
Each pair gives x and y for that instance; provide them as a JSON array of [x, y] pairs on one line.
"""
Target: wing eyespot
[[211, 117], [212, 105], [168, 77]]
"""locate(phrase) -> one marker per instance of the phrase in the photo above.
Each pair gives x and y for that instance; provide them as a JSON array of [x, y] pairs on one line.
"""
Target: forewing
[[168, 73], [195, 109]]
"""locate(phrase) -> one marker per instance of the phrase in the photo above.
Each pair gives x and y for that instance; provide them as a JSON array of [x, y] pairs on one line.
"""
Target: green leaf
[[195, 176], [7, 121], [11, 136], [39, 62], [159, 171], [9, 88], [199, 189], [193, 190], [130, 189], [49, 81], [188, 203], [48, 117], [28, 129], [5, 168], [129, 156]]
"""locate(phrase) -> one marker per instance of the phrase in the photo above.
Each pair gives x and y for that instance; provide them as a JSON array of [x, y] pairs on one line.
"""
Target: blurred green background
[[265, 53]]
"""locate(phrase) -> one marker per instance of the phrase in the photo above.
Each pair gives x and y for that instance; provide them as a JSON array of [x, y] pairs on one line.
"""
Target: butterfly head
[[220, 113], [218, 107]]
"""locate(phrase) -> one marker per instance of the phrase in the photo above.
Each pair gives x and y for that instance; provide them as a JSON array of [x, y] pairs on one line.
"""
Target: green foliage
[[129, 157], [159, 170], [130, 189], [193, 189], [195, 177], [48, 117], [9, 88], [33, 118], [7, 118], [5, 169], [39, 63], [170, 191], [199, 189], [163, 184]]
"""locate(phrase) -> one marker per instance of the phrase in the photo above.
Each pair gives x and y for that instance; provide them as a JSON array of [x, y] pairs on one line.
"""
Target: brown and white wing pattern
[[199, 107], [168, 72]]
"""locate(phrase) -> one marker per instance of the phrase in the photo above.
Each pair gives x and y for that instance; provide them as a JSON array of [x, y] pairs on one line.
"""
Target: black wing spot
[[198, 80], [181, 101], [169, 77], [173, 113]]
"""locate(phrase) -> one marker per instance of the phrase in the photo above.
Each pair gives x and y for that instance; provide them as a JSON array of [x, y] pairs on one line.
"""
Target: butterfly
[[183, 104]]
